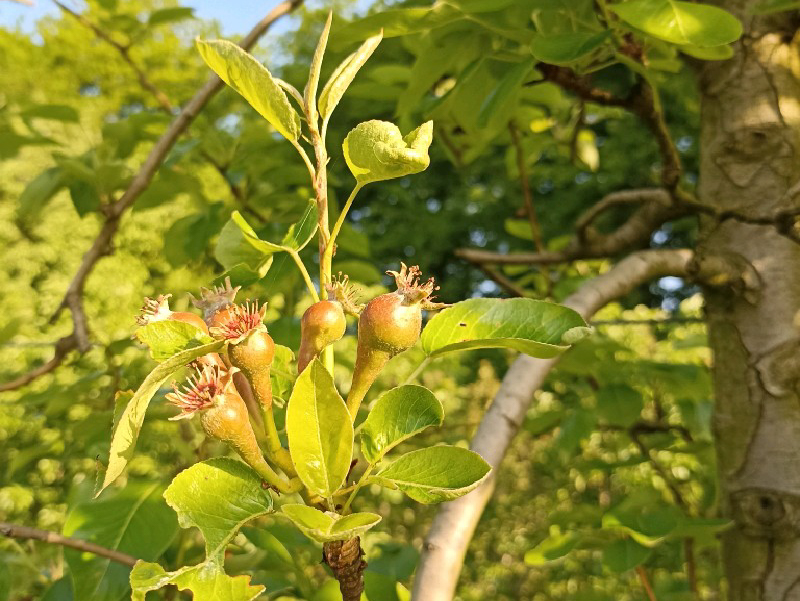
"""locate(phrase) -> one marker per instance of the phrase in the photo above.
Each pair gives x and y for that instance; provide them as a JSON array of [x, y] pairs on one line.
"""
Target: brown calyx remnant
[[212, 300], [344, 559]]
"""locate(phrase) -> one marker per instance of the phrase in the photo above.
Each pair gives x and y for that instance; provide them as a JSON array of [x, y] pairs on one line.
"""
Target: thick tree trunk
[[749, 163]]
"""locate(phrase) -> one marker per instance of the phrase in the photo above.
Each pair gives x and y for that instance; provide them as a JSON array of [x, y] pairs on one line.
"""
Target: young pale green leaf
[[206, 581], [218, 496], [252, 80], [310, 92], [320, 431], [123, 441], [680, 22], [537, 328], [435, 474], [344, 74], [239, 244], [169, 337], [134, 520], [398, 415], [376, 151], [566, 48], [325, 527], [552, 548]]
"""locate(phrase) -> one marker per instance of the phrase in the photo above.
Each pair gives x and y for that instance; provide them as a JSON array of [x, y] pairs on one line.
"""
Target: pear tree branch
[[102, 245], [452, 528], [25, 532]]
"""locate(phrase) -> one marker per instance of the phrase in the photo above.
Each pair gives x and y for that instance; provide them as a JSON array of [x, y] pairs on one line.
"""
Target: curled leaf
[[376, 151]]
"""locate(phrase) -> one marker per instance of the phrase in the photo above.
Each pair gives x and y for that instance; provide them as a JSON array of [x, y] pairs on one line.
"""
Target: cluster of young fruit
[[227, 388]]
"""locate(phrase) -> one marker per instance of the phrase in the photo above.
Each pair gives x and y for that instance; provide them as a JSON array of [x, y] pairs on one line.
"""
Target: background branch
[[124, 52], [102, 245], [25, 532], [453, 527]]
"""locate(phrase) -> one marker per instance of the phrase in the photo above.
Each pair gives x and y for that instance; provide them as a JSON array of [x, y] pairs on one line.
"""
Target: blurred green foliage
[[614, 467]]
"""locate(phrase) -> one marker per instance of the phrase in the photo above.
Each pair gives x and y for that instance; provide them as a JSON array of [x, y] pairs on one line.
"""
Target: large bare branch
[[73, 298], [453, 527], [25, 532]]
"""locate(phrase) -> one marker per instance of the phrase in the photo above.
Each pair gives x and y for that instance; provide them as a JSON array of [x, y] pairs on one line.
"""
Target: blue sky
[[236, 16]]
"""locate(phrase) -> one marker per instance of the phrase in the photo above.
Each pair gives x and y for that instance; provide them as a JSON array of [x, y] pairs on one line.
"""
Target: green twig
[[309, 284], [361, 481]]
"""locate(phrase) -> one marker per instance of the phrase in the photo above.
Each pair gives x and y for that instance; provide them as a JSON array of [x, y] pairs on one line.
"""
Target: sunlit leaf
[[435, 474], [123, 442], [680, 22], [396, 416], [324, 527], [534, 327], [252, 80], [320, 431], [376, 150]]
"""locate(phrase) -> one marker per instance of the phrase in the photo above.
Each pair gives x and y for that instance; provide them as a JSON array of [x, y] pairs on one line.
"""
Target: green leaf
[[395, 22], [169, 15], [60, 590], [206, 581], [134, 520], [396, 416], [218, 496], [123, 440], [325, 527], [681, 22], [624, 554], [566, 48], [55, 112], [310, 92], [302, 232], [238, 243], [281, 372], [712, 53], [435, 474], [320, 431], [169, 337], [552, 548], [240, 248], [277, 555], [39, 192], [5, 582], [766, 7], [376, 151], [619, 405], [252, 80], [344, 75], [498, 105], [534, 327], [85, 197]]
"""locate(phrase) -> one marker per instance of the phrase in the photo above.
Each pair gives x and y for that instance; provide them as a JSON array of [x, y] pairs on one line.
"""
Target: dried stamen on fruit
[[237, 321], [154, 309], [342, 290], [199, 392]]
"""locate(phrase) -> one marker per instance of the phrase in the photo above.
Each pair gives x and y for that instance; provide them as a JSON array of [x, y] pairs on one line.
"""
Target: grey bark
[[454, 524], [749, 163]]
